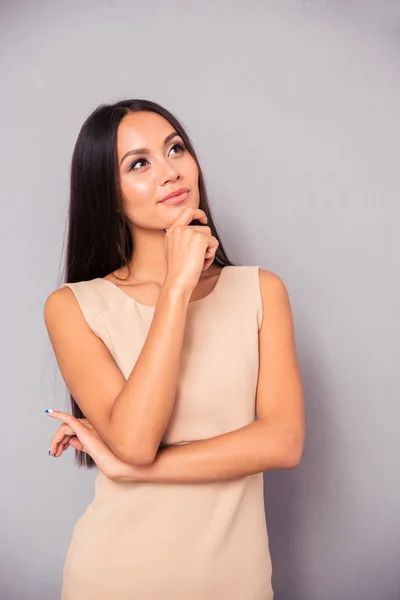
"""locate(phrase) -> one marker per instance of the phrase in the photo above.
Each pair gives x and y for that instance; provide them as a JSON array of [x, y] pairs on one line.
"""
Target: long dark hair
[[99, 240]]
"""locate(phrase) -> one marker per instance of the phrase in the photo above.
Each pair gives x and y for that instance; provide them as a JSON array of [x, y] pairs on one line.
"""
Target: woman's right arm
[[131, 415]]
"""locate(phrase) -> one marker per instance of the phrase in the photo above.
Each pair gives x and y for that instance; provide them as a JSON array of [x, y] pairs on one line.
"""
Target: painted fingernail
[[48, 410], [165, 230], [49, 450]]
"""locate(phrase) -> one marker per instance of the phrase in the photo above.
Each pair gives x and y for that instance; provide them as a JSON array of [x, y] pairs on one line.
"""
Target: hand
[[189, 249], [80, 434]]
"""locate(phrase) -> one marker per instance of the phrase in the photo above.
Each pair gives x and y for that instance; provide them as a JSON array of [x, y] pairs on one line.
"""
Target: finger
[[187, 215], [64, 447], [213, 245], [207, 263], [210, 255], [72, 425], [203, 229], [87, 441], [70, 420], [54, 446], [59, 450], [205, 232], [75, 443], [60, 434], [212, 242]]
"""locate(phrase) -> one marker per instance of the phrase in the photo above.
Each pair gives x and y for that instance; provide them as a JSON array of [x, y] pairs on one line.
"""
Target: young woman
[[181, 368]]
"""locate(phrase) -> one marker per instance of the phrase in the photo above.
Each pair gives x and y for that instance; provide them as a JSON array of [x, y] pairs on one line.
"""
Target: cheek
[[192, 170], [137, 191]]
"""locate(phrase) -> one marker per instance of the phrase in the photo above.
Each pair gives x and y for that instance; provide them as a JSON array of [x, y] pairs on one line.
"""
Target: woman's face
[[147, 176]]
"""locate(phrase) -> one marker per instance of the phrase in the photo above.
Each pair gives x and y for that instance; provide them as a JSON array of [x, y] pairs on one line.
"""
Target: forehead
[[142, 129]]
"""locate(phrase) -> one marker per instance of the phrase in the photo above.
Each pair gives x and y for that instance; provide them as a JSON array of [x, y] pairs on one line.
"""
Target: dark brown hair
[[99, 240]]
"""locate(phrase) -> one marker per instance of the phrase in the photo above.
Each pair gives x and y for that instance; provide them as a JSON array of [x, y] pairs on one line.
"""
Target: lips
[[176, 197]]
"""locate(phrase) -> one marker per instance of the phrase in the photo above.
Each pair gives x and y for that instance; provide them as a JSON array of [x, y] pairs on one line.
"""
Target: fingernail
[[49, 450], [48, 410]]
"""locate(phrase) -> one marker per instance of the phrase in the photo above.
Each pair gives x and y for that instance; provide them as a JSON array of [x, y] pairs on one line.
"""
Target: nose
[[168, 172]]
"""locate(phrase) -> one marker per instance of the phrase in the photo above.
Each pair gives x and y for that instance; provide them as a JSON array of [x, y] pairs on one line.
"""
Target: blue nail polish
[[48, 410], [49, 450]]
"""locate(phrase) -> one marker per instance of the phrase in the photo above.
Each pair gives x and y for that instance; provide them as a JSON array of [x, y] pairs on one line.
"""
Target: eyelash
[[138, 160]]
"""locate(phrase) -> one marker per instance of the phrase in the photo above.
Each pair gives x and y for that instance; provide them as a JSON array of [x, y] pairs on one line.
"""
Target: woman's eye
[[180, 146], [139, 160], [133, 165]]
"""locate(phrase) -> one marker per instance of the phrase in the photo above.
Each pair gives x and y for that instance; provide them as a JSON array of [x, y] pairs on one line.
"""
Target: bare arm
[[274, 441], [255, 448], [131, 415], [142, 410]]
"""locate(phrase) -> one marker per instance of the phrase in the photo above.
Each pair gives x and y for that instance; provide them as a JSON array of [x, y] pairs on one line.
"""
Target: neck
[[148, 260]]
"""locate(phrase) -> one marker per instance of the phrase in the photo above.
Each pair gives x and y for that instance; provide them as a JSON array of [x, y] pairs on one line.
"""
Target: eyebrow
[[146, 150]]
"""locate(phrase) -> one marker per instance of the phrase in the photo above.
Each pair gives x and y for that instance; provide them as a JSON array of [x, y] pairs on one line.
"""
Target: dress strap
[[92, 300]]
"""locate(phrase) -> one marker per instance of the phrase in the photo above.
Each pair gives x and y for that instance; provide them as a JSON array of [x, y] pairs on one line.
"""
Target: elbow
[[293, 453], [136, 450], [293, 460], [138, 457]]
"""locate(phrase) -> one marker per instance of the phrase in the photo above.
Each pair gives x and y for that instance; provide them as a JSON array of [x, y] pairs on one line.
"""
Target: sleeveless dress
[[179, 541]]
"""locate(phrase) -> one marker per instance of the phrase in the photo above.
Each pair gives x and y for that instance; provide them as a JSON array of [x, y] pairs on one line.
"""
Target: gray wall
[[294, 110]]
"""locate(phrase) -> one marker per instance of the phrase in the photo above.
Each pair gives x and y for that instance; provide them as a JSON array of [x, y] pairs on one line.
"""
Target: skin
[[146, 179], [275, 439]]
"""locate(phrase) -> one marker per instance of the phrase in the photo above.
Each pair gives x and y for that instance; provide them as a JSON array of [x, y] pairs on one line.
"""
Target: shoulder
[[87, 298], [275, 300], [70, 300], [270, 282], [60, 301], [56, 299], [272, 286]]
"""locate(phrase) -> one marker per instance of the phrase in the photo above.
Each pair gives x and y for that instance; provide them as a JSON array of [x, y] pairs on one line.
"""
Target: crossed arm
[[273, 441], [255, 448]]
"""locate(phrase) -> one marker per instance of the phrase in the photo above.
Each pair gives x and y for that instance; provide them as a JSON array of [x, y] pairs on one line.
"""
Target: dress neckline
[[151, 307]]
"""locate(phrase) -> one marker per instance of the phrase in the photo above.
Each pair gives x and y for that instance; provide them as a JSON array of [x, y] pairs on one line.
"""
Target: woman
[[182, 371]]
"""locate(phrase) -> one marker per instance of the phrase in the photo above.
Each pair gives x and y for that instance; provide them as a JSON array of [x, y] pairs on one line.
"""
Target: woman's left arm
[[274, 440]]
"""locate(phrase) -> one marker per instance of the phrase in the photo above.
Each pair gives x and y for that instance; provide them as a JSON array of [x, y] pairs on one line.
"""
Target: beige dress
[[179, 541]]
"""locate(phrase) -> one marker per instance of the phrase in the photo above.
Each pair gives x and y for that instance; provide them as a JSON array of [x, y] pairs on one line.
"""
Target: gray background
[[293, 108]]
